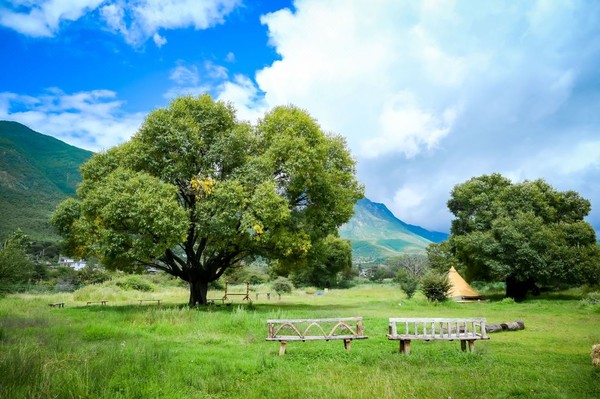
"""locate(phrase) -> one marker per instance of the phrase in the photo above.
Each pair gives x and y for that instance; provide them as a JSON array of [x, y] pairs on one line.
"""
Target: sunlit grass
[[128, 350]]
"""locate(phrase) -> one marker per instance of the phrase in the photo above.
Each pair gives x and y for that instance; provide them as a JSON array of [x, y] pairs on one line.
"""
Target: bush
[[282, 285], [435, 286], [134, 282], [408, 282]]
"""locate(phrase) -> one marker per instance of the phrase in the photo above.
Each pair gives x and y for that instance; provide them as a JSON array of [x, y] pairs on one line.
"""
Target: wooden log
[[510, 326]]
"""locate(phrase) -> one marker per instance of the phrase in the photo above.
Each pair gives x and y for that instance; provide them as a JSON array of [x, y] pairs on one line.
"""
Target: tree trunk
[[516, 289], [198, 292]]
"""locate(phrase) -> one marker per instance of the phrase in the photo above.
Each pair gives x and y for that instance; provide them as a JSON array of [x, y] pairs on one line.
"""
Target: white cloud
[[159, 40], [214, 79], [137, 21], [43, 18], [245, 95], [185, 75], [93, 120], [432, 93]]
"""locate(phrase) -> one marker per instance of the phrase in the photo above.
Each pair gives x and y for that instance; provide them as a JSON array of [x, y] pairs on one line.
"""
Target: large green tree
[[196, 191], [523, 233]]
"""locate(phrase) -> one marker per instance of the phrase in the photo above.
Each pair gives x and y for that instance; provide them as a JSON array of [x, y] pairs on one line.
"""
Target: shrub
[[134, 282], [282, 285], [408, 282], [435, 286]]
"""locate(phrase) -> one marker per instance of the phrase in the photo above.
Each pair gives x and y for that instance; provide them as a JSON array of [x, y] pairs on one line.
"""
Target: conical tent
[[459, 288]]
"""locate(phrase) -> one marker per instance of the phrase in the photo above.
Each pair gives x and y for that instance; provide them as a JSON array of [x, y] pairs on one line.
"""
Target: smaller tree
[[15, 266], [440, 256], [408, 282], [435, 286]]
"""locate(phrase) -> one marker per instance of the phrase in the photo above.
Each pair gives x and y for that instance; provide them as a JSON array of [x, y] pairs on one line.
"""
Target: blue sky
[[428, 93]]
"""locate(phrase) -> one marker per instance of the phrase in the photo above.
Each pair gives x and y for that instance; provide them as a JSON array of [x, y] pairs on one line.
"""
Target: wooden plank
[[315, 320], [314, 337]]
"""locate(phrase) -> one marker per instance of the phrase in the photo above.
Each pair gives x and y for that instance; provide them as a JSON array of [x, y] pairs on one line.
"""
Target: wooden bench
[[57, 305], [149, 300], [345, 329], [406, 330], [95, 302]]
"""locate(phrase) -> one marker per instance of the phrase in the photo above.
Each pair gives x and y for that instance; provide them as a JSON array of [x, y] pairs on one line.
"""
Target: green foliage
[[525, 234], [282, 285], [441, 257], [435, 286], [326, 265], [196, 192], [15, 266], [255, 273], [408, 282], [134, 282]]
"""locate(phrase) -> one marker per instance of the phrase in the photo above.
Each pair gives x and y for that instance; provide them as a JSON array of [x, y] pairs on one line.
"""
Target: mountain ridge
[[376, 233]]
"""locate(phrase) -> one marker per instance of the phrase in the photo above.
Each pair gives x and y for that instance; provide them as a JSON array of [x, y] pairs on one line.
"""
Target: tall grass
[[125, 350]]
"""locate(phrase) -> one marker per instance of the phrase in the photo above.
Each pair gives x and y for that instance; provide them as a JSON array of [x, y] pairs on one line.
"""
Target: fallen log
[[510, 326]]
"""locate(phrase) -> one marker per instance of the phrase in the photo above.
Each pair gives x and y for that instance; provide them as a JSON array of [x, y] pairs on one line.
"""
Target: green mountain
[[36, 173], [376, 234]]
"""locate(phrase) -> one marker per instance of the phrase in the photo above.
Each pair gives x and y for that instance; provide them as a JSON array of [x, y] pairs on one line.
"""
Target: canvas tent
[[460, 290]]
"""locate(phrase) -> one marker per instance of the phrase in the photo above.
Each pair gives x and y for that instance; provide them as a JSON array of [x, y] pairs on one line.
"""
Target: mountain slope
[[376, 234], [36, 173]]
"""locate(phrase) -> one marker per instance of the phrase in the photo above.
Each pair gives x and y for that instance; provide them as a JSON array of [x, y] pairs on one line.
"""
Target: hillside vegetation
[[376, 234], [36, 173]]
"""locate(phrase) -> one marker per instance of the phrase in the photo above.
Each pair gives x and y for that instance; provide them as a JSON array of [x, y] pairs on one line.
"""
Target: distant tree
[[15, 266], [415, 265], [378, 273], [524, 234], [195, 191], [326, 263], [409, 282], [408, 269], [440, 257]]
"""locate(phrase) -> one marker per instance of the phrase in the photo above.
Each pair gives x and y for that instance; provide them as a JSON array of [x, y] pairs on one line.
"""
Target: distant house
[[75, 264]]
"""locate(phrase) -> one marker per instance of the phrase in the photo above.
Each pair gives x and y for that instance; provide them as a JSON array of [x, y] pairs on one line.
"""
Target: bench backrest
[[438, 327], [326, 328]]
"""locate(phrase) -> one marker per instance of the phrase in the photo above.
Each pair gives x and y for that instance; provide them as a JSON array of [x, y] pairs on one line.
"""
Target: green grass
[[125, 350]]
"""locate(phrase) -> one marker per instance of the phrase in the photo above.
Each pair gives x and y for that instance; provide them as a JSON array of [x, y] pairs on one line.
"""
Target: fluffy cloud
[[214, 79], [434, 92], [43, 18], [137, 21], [93, 120]]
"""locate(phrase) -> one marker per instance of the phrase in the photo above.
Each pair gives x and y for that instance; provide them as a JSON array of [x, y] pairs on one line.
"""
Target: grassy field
[[127, 350]]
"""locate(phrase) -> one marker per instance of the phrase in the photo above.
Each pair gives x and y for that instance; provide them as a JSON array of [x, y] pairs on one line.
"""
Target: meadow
[[128, 350]]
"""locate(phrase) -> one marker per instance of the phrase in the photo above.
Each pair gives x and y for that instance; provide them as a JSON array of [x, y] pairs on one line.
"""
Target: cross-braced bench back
[[344, 328], [313, 329]]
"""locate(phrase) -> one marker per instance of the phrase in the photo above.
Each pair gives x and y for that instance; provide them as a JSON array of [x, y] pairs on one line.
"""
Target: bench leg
[[282, 348], [405, 346], [463, 345], [347, 344]]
